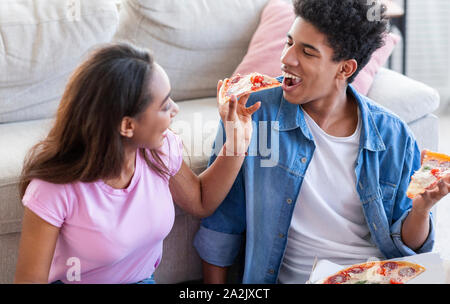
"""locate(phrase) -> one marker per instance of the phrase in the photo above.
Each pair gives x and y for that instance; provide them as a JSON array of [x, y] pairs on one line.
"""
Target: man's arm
[[405, 236], [213, 274], [416, 227], [220, 236]]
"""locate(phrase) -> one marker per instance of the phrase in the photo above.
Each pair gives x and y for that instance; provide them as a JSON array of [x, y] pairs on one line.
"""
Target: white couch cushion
[[197, 42], [15, 141], [404, 96], [197, 123], [41, 42], [426, 131]]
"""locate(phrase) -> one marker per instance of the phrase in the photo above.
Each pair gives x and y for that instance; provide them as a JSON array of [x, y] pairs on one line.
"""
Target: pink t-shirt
[[112, 235]]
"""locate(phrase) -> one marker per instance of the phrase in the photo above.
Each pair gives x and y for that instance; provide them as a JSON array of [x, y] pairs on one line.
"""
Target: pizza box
[[434, 273]]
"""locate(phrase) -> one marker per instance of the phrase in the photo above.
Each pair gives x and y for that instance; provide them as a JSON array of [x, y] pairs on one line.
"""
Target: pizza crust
[[222, 99]]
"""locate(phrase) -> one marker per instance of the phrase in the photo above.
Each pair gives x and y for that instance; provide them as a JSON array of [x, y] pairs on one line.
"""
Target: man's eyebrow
[[165, 99], [309, 46]]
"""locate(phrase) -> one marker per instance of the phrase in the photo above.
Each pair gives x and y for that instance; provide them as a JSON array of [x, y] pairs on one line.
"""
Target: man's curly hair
[[350, 30]]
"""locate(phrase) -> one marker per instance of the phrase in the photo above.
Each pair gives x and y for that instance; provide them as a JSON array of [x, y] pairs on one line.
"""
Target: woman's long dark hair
[[85, 144]]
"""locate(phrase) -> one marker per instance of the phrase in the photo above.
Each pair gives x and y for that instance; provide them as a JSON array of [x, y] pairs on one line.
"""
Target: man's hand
[[415, 228], [424, 202]]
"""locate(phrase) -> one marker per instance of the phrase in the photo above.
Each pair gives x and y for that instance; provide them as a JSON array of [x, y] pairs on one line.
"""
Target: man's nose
[[289, 57]]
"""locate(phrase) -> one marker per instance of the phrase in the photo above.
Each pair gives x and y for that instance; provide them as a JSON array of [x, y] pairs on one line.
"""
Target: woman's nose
[[289, 57], [175, 109]]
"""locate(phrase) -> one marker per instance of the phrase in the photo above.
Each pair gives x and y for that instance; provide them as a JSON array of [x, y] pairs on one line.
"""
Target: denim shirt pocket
[[388, 192]]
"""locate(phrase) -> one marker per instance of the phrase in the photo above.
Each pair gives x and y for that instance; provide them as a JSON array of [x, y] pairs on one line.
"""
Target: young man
[[337, 187]]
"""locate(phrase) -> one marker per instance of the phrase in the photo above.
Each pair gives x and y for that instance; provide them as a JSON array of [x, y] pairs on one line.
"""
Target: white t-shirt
[[328, 220]]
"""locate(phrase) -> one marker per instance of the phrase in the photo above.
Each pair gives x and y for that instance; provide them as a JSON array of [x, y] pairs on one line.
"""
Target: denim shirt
[[261, 201]]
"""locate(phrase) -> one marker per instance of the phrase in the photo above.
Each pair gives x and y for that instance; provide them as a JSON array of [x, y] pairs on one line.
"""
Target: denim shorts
[[149, 280]]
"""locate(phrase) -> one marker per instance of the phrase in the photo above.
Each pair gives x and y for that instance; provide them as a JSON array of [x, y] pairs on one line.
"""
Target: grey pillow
[[197, 42], [406, 97], [41, 43]]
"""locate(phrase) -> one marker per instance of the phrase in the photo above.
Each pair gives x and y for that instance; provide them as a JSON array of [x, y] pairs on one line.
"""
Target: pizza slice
[[434, 167], [240, 85], [377, 272]]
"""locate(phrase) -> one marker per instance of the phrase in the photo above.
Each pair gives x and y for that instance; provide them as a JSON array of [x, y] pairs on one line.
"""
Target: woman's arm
[[36, 249], [201, 195]]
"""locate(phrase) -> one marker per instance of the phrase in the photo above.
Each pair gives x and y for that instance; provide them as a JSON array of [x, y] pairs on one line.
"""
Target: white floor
[[442, 244]]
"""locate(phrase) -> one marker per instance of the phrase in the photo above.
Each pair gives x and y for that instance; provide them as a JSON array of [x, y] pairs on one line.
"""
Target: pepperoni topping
[[236, 78], [435, 172], [256, 79], [390, 266], [337, 279], [356, 270], [360, 268], [407, 271], [381, 271]]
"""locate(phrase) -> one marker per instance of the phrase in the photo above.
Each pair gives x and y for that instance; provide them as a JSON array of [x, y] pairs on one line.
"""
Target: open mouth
[[290, 81]]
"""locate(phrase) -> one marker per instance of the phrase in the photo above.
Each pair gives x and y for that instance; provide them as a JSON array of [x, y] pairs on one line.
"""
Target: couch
[[197, 42]]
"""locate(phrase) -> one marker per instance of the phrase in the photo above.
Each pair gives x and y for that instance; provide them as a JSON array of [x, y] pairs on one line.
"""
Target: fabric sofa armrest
[[406, 97]]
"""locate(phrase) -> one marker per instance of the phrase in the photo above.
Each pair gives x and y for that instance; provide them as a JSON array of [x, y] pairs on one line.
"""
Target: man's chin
[[293, 99]]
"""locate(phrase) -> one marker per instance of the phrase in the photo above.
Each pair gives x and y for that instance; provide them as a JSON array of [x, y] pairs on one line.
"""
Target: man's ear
[[347, 69], [126, 127]]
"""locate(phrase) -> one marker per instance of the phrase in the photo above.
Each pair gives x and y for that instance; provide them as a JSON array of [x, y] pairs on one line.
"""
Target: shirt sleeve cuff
[[217, 248], [404, 249], [41, 212]]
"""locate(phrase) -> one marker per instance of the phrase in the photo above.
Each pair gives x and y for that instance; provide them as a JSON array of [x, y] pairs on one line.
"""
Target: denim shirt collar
[[370, 136], [291, 117]]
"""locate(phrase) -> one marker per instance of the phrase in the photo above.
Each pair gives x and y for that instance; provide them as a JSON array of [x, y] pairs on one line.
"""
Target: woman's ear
[[127, 126], [347, 69]]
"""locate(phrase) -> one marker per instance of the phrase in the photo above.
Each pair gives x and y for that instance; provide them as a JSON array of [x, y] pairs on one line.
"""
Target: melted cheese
[[245, 85]]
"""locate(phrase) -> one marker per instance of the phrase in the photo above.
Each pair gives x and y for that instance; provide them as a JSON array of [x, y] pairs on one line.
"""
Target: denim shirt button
[[281, 235], [304, 159], [271, 271], [289, 201]]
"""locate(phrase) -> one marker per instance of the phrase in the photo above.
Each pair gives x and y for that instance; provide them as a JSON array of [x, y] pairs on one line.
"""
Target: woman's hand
[[237, 120]]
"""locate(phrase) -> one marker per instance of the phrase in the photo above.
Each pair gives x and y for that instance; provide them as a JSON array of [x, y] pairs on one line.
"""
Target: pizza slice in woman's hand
[[434, 167], [240, 85]]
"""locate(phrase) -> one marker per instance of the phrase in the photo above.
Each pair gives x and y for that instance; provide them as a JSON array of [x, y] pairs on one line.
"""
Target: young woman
[[98, 191]]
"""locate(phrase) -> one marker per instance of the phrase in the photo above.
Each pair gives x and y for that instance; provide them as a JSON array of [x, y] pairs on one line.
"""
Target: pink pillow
[[363, 81], [267, 43]]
